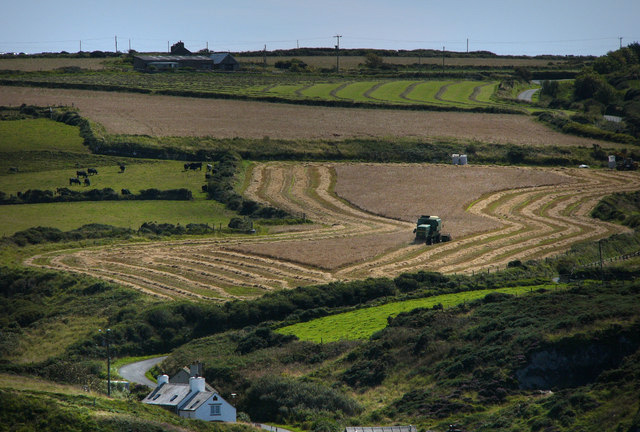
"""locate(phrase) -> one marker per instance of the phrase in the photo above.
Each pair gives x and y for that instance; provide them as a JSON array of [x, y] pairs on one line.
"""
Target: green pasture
[[392, 92], [320, 91], [460, 92], [127, 214], [362, 323], [161, 175], [426, 91], [38, 135], [356, 91], [486, 91]]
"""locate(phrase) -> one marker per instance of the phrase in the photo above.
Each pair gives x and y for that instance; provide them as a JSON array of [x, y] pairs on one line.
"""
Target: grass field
[[39, 134], [128, 214], [362, 323], [48, 153]]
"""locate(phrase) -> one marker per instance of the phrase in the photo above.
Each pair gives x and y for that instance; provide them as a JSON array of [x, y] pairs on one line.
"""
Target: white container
[[455, 158], [463, 160], [196, 384], [612, 161]]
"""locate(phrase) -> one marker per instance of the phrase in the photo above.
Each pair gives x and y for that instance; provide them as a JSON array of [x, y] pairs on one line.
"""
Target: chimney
[[196, 369], [196, 384], [162, 379]]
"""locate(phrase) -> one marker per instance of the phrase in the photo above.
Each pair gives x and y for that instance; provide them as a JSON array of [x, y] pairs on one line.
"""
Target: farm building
[[224, 61], [179, 49], [161, 62], [218, 61], [192, 400]]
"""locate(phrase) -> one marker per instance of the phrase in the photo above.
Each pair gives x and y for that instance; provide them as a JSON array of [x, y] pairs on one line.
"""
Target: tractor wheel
[[446, 237]]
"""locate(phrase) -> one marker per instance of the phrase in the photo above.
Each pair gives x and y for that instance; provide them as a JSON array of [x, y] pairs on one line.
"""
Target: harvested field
[[405, 192], [128, 113], [514, 214], [47, 64]]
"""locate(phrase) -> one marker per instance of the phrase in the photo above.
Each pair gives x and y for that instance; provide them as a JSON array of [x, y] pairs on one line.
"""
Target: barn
[[146, 63], [224, 62]]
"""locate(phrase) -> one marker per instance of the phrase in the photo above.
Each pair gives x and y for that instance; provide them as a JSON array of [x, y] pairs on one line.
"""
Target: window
[[173, 398], [215, 409]]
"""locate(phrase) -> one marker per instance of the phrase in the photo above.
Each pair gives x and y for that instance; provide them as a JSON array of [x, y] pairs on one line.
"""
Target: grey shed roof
[[220, 57], [168, 394], [409, 428], [171, 58]]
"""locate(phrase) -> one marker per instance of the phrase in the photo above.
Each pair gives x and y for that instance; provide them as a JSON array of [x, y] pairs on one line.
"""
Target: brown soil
[[502, 214], [129, 113]]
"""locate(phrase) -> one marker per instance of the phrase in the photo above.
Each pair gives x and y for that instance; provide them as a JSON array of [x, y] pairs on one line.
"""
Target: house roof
[[198, 400], [168, 394]]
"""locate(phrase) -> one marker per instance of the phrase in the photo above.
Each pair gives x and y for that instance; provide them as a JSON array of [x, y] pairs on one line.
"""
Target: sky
[[505, 27]]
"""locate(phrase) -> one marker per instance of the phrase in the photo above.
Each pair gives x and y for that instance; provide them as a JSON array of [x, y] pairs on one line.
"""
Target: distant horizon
[[516, 28]]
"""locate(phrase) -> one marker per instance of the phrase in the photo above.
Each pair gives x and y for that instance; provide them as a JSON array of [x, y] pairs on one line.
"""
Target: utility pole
[[600, 252], [116, 44], [129, 44], [168, 49], [467, 45], [80, 46], [620, 41], [106, 335], [443, 60], [264, 56], [338, 52]]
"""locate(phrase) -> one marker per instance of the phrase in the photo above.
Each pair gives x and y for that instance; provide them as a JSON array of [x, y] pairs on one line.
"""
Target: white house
[[191, 400]]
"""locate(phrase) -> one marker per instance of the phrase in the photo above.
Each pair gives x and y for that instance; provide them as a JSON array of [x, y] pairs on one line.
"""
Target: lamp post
[[107, 333]]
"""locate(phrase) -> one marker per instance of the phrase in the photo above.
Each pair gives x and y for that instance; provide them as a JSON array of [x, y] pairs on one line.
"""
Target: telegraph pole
[[443, 60], [338, 52], [620, 41], [116, 43], [467, 45], [107, 334]]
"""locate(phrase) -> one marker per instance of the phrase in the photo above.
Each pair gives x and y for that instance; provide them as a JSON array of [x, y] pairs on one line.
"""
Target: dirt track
[[129, 113], [542, 214]]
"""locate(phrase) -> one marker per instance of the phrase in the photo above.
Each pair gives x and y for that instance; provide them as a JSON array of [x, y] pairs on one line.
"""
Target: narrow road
[[134, 372], [527, 95]]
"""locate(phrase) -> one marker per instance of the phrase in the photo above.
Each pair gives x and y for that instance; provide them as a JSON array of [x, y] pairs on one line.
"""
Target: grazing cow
[[205, 188], [74, 180], [82, 174], [193, 166], [207, 176], [13, 170], [122, 167], [87, 182], [125, 192], [186, 166], [92, 171], [209, 167]]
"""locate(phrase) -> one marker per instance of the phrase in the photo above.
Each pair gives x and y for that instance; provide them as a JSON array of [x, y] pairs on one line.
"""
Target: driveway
[[527, 95], [135, 372]]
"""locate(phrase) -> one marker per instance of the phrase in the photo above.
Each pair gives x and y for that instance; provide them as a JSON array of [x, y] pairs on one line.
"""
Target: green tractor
[[429, 230]]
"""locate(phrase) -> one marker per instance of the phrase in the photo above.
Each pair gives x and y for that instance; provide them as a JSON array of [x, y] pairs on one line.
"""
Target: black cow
[[122, 167], [205, 188], [82, 174], [74, 180], [87, 182], [125, 192], [193, 166], [92, 171], [207, 176]]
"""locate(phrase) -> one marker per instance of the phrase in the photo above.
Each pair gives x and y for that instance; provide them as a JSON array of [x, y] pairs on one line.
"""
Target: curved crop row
[[348, 242]]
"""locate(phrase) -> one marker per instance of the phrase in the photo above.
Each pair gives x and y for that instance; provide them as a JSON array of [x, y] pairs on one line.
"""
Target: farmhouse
[[191, 399]]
